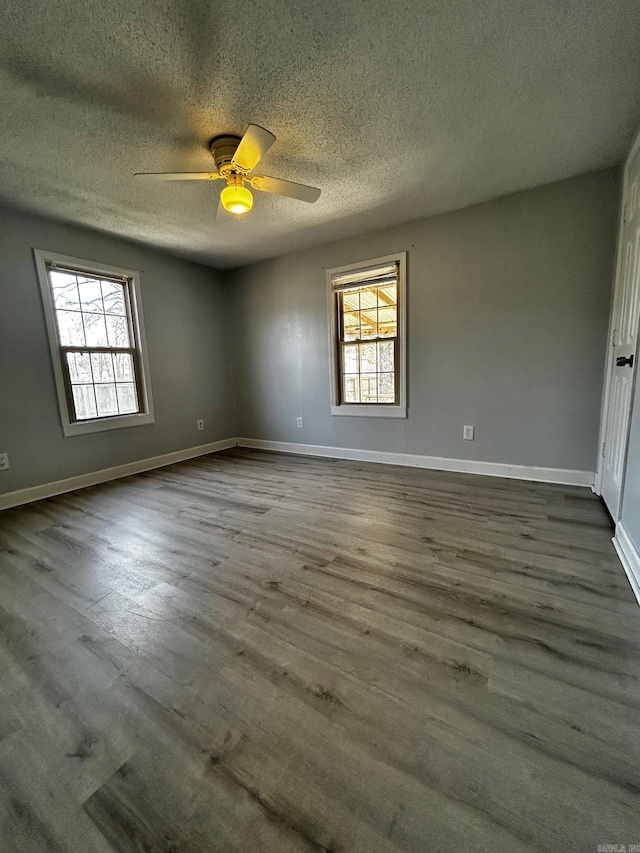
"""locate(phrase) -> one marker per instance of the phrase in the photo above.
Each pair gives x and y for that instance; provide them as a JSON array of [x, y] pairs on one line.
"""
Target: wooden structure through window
[[366, 305]]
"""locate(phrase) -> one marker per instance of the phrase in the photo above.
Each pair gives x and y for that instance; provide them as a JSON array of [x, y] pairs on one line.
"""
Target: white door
[[622, 350]]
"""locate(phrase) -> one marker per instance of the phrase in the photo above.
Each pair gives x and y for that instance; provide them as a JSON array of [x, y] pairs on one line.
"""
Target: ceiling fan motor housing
[[223, 148]]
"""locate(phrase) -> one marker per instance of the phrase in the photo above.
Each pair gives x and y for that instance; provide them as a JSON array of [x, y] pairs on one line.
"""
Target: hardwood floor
[[258, 652]]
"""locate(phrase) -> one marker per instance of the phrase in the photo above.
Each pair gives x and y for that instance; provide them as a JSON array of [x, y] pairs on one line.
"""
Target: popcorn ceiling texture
[[395, 110]]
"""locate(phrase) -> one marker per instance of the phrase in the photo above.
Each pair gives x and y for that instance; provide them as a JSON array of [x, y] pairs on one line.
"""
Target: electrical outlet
[[299, 423], [200, 424], [468, 433], [4, 461]]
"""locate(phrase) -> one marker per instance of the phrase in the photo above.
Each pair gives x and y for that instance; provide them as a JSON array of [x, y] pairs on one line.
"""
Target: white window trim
[[69, 427], [367, 410]]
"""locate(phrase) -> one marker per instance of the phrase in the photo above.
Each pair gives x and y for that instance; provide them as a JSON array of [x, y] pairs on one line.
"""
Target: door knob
[[622, 361]]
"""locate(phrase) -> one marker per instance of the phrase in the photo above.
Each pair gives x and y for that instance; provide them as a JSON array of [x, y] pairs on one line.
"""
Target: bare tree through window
[[97, 343]]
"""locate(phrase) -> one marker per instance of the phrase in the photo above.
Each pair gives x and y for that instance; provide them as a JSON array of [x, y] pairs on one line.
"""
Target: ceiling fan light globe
[[236, 199]]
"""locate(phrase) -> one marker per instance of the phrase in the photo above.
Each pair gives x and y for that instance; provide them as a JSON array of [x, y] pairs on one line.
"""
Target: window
[[94, 321], [368, 341]]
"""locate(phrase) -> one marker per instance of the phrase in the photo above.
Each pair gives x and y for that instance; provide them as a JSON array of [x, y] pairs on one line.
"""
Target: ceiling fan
[[235, 158]]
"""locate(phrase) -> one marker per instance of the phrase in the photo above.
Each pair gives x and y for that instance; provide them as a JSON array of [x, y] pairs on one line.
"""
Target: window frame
[[379, 410], [72, 427]]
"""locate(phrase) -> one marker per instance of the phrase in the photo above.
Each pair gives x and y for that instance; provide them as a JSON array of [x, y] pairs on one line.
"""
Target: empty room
[[319, 426]]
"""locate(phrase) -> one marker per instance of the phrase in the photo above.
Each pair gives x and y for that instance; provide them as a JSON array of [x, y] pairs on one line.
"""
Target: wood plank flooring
[[276, 654]]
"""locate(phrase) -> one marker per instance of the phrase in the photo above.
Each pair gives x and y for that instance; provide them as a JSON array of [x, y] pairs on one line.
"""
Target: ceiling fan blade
[[252, 147], [178, 176], [286, 188]]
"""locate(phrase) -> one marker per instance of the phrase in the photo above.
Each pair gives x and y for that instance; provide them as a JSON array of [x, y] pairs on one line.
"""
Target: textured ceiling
[[394, 109]]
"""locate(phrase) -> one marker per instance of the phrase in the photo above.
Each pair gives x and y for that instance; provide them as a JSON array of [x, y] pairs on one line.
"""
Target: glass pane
[[70, 328], [351, 326], [102, 365], [369, 324], [106, 400], [387, 295], [113, 297], [368, 297], [368, 366], [368, 388], [386, 388], [65, 290], [351, 389], [123, 363], [79, 367], [90, 295], [84, 401], [127, 398], [368, 358], [95, 330], [388, 324], [118, 331], [351, 300], [350, 358], [386, 356]]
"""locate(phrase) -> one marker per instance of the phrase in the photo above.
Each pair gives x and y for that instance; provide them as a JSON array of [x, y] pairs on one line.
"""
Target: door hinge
[[603, 447]]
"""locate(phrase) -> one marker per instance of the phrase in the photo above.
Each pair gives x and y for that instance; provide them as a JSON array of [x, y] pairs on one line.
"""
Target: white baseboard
[[629, 557], [563, 476], [48, 490], [465, 466]]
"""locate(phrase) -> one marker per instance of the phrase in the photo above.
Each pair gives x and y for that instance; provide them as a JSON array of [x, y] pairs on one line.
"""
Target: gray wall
[[508, 304], [508, 307], [185, 316]]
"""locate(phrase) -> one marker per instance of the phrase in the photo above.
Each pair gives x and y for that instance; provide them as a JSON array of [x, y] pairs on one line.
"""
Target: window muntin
[[94, 324], [368, 317], [367, 341], [97, 343]]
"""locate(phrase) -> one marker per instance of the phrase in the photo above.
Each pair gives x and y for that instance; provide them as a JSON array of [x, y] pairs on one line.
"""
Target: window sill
[[370, 411], [106, 424]]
